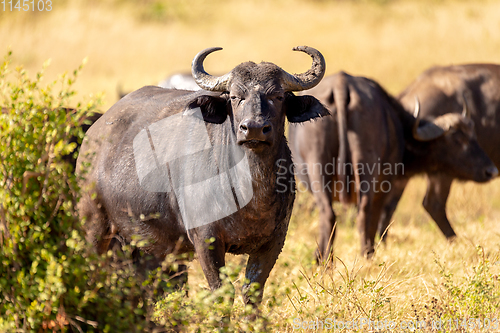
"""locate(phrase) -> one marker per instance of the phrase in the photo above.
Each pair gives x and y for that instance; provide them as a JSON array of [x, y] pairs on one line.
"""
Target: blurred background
[[132, 43]]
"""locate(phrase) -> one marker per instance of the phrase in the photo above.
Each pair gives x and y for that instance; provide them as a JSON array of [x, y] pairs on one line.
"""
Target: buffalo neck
[[265, 170], [416, 157]]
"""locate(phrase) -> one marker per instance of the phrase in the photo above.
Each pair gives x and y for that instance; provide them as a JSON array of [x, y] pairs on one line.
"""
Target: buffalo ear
[[303, 108], [213, 108]]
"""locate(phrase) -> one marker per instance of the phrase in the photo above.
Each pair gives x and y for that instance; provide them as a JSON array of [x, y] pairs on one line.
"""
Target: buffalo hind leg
[[390, 204], [323, 197], [438, 189], [99, 229], [370, 206], [168, 280]]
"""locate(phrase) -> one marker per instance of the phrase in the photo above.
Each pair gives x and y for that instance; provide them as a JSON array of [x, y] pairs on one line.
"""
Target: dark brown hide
[[257, 106], [85, 125], [371, 129], [444, 90]]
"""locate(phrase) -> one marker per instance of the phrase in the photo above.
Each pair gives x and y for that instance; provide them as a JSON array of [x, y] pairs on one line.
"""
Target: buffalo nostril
[[491, 172], [258, 130]]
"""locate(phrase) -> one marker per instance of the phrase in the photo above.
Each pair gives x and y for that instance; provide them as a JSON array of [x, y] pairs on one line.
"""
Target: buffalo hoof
[[369, 253], [451, 238], [322, 259]]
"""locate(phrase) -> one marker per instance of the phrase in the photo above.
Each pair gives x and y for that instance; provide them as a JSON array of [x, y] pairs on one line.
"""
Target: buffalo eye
[[279, 98], [237, 99], [461, 140]]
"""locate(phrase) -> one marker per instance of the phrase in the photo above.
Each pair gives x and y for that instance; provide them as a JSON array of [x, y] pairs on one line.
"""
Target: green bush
[[475, 296], [50, 279], [214, 311]]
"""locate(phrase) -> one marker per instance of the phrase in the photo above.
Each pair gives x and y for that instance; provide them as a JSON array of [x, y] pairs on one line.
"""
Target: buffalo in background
[[444, 90], [347, 157], [180, 81]]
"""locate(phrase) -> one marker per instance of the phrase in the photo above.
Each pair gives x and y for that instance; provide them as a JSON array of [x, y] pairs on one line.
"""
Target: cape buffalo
[[146, 166], [86, 123], [378, 145], [182, 81], [445, 90]]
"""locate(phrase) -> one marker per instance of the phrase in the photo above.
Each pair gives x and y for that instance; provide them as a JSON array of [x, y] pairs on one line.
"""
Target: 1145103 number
[[26, 5]]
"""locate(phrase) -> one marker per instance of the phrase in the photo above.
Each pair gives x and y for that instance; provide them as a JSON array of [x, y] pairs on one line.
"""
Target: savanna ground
[[417, 275]]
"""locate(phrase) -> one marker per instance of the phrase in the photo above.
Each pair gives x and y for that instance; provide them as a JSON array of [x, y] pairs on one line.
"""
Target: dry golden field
[[418, 275], [390, 41]]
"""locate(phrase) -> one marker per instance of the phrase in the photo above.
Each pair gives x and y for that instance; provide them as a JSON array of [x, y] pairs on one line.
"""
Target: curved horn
[[466, 111], [202, 78], [310, 78], [428, 131]]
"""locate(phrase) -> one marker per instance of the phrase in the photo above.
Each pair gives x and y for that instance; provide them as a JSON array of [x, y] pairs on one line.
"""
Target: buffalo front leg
[[390, 204], [210, 250], [212, 257], [438, 189], [259, 266], [322, 191]]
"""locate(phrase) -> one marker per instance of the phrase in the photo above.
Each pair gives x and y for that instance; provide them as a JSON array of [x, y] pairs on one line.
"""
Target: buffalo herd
[[384, 146], [205, 167]]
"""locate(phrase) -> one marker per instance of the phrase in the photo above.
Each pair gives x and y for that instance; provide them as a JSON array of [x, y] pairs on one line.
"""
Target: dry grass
[[389, 41], [407, 269], [407, 278]]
